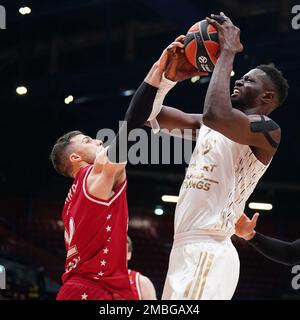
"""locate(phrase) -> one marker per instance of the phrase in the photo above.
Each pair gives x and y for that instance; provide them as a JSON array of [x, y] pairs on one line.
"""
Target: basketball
[[202, 46]]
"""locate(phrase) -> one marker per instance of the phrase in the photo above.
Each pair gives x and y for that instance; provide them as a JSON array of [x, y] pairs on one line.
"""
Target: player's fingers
[[174, 45], [180, 38], [254, 219], [242, 218], [177, 44], [214, 23], [225, 17], [220, 19]]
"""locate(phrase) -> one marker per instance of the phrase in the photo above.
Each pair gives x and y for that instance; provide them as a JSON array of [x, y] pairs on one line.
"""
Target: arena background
[[95, 50]]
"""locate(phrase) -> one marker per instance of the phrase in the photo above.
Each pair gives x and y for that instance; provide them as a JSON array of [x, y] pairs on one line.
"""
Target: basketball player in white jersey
[[235, 145]]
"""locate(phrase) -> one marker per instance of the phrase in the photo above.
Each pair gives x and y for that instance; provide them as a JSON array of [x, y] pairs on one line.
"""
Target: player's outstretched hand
[[245, 227]]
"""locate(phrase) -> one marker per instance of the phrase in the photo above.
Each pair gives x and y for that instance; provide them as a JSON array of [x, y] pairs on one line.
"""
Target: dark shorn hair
[[277, 79], [59, 154]]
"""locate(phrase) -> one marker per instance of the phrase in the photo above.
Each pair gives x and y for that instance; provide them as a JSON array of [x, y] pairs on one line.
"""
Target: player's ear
[[268, 97], [74, 157]]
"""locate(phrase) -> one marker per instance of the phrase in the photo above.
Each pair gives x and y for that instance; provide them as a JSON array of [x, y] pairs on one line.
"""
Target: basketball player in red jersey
[[95, 213], [141, 285]]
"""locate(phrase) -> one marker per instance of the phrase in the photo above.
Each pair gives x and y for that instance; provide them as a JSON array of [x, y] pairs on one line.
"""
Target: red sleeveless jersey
[[95, 237], [134, 279]]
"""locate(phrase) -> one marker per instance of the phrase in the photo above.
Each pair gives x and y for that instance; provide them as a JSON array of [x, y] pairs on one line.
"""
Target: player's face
[[129, 253], [86, 147], [248, 90]]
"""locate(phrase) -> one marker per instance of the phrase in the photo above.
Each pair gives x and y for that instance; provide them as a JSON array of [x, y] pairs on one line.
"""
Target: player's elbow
[[210, 118], [214, 120]]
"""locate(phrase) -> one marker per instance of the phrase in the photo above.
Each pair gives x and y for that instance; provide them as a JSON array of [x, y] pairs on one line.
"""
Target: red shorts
[[72, 290]]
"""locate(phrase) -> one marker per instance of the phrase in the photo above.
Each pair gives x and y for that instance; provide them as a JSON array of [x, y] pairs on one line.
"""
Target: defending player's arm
[[147, 289], [138, 112], [108, 171], [112, 161], [279, 251], [164, 117], [218, 113]]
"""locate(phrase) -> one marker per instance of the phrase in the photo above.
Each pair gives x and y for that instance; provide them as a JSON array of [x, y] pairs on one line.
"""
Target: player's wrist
[[167, 83], [250, 235], [226, 58], [229, 51], [154, 75], [165, 86]]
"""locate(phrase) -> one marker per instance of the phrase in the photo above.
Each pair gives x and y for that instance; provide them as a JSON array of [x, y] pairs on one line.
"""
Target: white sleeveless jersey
[[220, 178]]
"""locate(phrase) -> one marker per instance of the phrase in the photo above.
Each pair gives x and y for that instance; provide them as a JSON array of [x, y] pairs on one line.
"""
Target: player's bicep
[[253, 130], [175, 121], [172, 118]]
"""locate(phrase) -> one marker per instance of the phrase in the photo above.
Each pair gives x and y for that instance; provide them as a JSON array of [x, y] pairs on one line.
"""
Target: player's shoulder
[[263, 120], [147, 288], [144, 279], [265, 125], [82, 171]]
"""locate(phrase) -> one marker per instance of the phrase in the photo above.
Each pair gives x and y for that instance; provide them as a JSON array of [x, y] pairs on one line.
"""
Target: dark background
[[95, 50]]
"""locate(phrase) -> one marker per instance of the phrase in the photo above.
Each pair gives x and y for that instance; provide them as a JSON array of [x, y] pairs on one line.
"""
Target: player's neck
[[81, 165], [256, 110]]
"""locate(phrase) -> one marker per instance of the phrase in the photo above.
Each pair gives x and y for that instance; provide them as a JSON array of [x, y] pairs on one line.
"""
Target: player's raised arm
[[177, 69], [138, 111], [259, 92], [113, 159]]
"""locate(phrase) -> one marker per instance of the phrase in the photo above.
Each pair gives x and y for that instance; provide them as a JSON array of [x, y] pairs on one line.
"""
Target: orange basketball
[[202, 46]]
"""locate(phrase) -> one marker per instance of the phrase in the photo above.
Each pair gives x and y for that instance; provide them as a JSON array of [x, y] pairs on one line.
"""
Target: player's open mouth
[[235, 92]]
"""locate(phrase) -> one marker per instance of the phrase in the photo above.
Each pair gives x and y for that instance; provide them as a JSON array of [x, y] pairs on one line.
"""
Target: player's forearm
[[137, 113], [140, 106], [279, 251], [217, 103]]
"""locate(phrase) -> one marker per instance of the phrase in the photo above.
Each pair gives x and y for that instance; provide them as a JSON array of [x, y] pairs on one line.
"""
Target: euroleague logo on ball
[[202, 59]]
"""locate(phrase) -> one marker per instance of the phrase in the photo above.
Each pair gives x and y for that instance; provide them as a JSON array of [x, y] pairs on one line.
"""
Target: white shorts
[[202, 267]]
